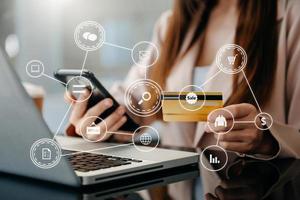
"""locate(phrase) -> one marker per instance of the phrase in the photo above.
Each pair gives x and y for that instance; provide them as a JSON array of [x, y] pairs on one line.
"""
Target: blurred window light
[[12, 45]]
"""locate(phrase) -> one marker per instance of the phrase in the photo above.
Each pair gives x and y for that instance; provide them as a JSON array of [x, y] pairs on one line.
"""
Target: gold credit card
[[190, 106]]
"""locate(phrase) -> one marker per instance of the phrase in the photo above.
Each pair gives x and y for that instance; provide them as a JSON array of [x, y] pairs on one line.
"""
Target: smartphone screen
[[89, 82]]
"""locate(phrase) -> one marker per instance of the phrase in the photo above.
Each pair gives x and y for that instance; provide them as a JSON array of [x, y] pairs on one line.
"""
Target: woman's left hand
[[244, 137]]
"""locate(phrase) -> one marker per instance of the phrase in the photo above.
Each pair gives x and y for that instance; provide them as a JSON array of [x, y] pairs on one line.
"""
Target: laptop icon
[[34, 68]]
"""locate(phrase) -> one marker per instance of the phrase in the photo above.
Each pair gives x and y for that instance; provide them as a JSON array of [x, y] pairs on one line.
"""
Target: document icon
[[46, 154]]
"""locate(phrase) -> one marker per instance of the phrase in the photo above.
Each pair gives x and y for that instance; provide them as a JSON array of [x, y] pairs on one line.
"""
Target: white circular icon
[[35, 68], [144, 54], [220, 124], [231, 59], [214, 158], [263, 121], [45, 153], [89, 35], [146, 96], [77, 87], [192, 98], [143, 97], [145, 138], [93, 129]]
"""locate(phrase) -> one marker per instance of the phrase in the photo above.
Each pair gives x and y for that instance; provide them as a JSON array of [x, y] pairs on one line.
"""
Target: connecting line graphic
[[117, 46], [215, 160], [218, 140], [45, 75], [99, 149], [260, 110], [83, 64], [244, 122], [125, 48], [238, 122], [146, 73], [70, 106], [231, 60], [35, 68], [208, 80], [120, 133]]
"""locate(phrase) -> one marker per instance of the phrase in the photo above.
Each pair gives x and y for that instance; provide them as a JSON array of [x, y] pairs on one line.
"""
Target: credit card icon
[[190, 106]]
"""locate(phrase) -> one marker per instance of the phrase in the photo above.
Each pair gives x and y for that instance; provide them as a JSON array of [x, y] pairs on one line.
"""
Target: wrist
[[269, 145]]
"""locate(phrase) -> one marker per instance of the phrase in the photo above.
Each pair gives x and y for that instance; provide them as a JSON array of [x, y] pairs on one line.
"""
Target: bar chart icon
[[213, 160]]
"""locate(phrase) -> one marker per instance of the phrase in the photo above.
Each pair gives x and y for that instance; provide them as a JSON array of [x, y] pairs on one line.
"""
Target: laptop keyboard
[[85, 162]]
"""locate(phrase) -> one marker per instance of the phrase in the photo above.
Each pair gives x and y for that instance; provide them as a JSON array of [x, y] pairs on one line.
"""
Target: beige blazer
[[283, 106]]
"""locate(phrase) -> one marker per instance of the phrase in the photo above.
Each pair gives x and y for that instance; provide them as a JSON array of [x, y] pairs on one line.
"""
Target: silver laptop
[[35, 190], [21, 125]]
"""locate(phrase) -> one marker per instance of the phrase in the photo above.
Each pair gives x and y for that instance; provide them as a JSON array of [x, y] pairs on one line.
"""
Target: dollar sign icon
[[263, 121]]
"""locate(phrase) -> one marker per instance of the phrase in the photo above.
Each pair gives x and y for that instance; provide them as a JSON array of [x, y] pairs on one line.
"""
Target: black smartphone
[[98, 93]]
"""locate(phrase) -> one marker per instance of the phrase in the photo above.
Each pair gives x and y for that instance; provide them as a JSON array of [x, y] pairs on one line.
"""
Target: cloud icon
[[89, 36]]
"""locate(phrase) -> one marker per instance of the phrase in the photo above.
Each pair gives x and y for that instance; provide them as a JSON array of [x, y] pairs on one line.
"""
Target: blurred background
[[43, 30]]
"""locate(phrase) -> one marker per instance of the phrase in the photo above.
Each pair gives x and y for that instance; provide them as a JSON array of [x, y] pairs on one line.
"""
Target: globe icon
[[145, 139]]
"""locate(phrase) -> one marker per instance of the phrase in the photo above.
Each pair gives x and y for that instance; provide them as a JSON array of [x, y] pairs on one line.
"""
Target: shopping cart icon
[[231, 59]]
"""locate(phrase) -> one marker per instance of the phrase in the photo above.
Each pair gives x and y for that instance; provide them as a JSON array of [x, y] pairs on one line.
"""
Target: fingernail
[[108, 102], [124, 119], [121, 110]]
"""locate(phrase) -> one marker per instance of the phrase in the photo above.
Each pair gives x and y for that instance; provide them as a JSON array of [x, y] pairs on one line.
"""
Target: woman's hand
[[244, 137], [81, 118]]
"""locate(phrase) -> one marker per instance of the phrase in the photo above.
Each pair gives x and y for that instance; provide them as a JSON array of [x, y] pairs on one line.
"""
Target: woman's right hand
[[81, 117]]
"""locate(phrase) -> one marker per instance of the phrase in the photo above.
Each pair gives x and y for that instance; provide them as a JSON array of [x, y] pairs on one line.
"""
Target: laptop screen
[[21, 124]]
